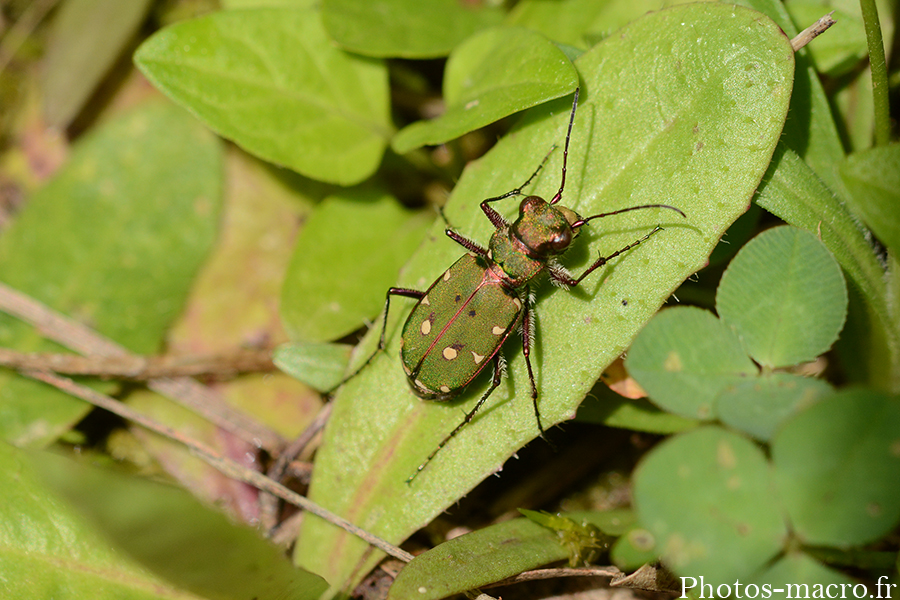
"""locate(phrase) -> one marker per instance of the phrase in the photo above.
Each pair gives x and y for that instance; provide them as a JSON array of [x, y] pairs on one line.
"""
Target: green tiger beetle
[[459, 324]]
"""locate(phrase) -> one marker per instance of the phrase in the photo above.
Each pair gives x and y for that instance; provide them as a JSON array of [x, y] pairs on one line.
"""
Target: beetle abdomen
[[457, 327]]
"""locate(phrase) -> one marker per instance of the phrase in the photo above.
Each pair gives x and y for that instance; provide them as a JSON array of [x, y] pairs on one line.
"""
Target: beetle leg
[[527, 343], [498, 376], [461, 239], [466, 243], [562, 279], [496, 218], [387, 307]]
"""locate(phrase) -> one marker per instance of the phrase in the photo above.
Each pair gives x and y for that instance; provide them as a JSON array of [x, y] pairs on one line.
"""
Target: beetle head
[[544, 228]]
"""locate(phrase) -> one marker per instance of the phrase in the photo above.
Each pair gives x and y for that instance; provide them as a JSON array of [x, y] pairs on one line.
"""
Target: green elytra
[[459, 324]]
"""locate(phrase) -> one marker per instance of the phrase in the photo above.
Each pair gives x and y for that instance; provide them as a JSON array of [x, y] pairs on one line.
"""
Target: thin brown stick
[[268, 505], [812, 32], [189, 393], [560, 572], [224, 465], [19, 33], [142, 368], [202, 400]]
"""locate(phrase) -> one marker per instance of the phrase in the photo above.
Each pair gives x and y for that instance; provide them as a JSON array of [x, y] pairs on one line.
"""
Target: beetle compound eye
[[561, 241], [556, 243]]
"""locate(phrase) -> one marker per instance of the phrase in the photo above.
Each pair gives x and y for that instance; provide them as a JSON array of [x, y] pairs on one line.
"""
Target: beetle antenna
[[562, 184], [623, 210]]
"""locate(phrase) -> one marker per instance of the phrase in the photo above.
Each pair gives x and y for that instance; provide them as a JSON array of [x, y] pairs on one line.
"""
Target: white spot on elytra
[[497, 330], [478, 358], [426, 327], [450, 353]]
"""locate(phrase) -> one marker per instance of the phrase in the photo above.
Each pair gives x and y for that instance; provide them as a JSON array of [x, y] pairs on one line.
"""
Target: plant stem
[[879, 72]]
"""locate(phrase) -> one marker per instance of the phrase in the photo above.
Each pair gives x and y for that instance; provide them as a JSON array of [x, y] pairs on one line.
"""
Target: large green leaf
[[684, 358], [793, 191], [689, 123], [784, 296], [272, 81], [707, 497], [837, 467], [114, 240]]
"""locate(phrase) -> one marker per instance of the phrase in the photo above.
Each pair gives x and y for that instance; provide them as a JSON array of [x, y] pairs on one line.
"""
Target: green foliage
[[770, 475], [833, 473], [706, 496], [478, 558], [272, 81], [404, 28], [872, 178], [718, 508], [764, 296], [366, 220], [492, 74], [71, 542], [635, 150], [581, 23], [131, 216], [837, 465], [88, 37], [320, 365], [503, 550], [684, 358], [694, 364]]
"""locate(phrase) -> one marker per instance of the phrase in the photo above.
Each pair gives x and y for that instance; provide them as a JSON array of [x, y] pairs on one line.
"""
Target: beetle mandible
[[459, 324]]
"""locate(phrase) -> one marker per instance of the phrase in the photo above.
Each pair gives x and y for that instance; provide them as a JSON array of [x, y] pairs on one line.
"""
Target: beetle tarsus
[[394, 291]]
